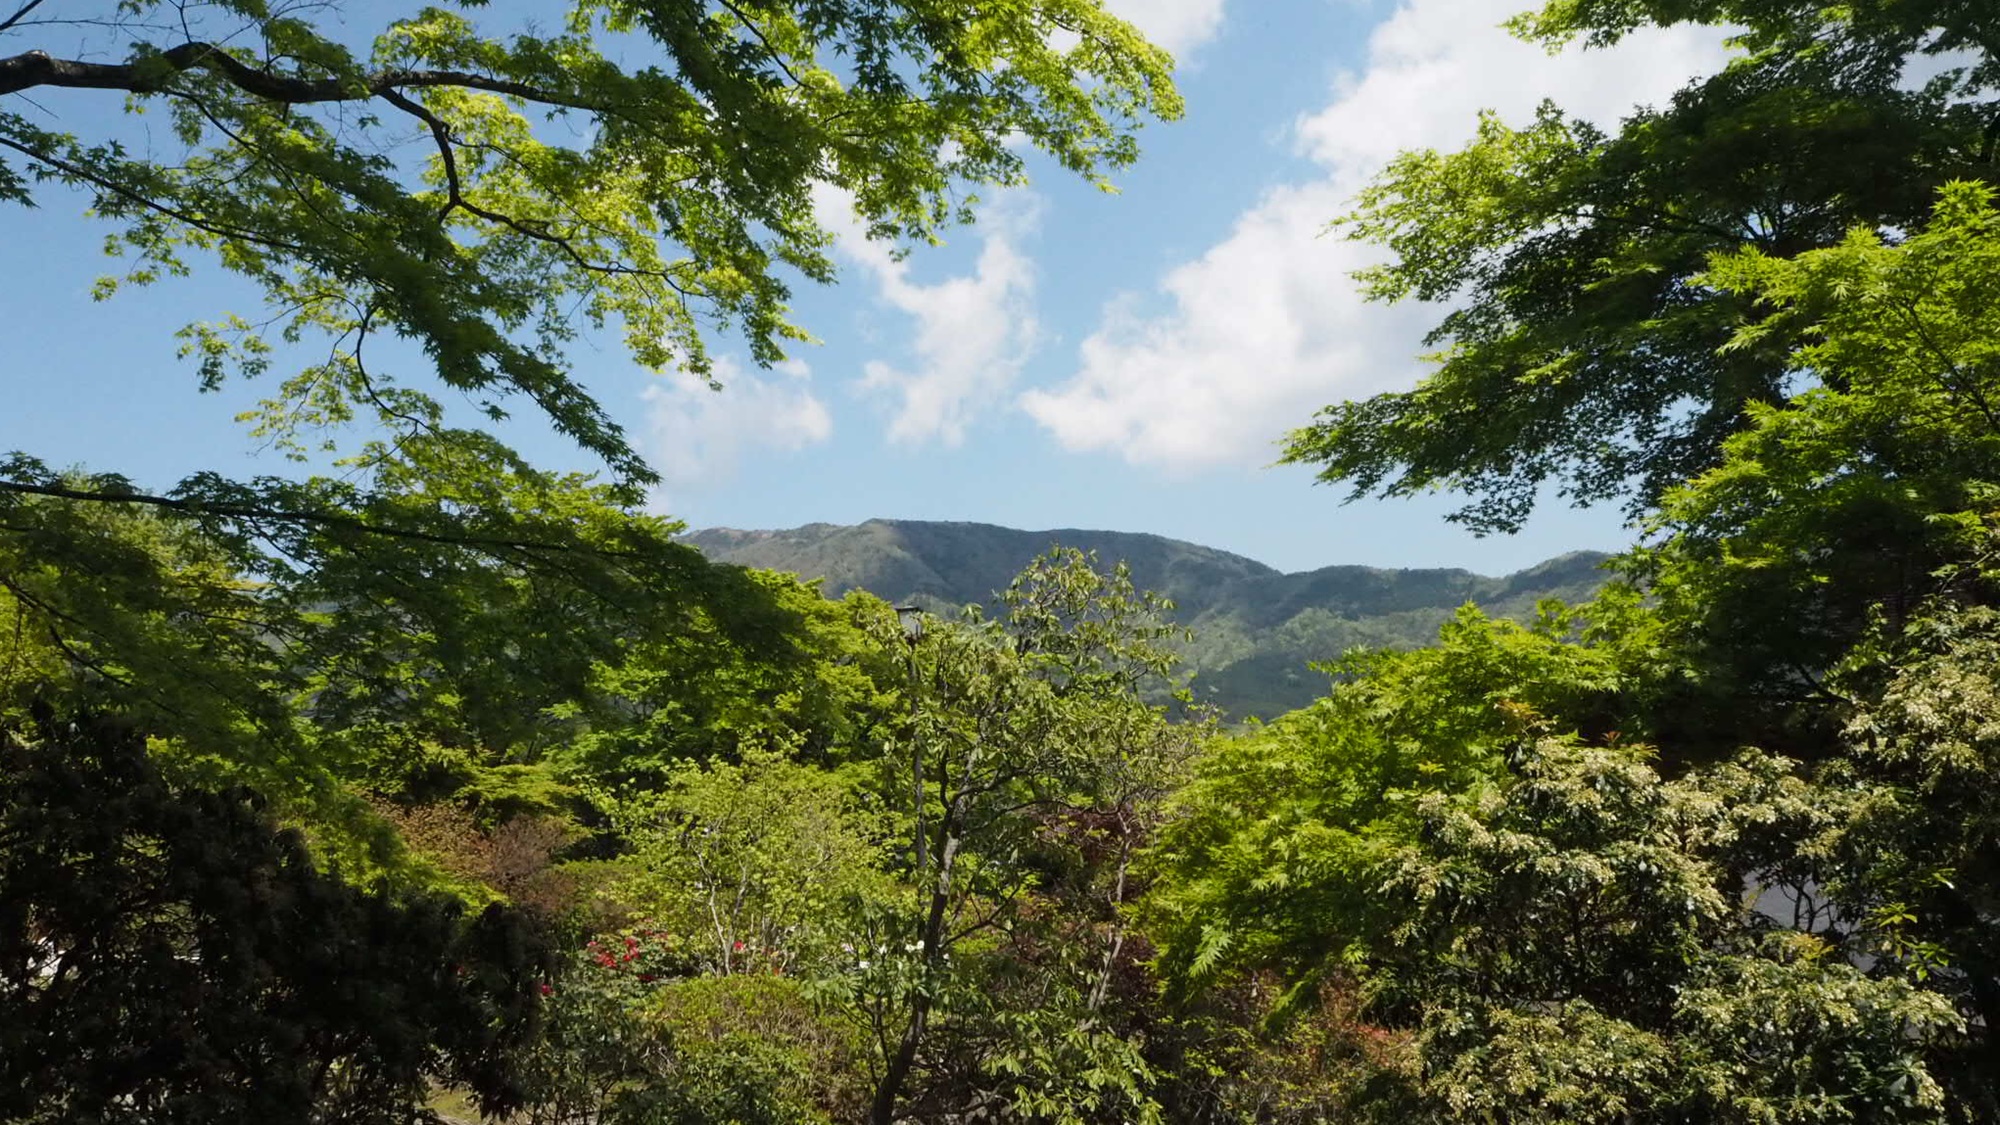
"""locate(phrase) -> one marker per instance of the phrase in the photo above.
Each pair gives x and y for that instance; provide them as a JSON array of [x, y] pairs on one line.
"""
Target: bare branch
[[18, 16]]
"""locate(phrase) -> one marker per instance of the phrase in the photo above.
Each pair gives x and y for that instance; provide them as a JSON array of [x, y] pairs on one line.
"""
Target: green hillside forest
[[1251, 634], [424, 782]]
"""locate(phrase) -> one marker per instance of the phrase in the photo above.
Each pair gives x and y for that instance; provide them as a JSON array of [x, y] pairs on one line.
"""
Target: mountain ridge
[[1256, 627]]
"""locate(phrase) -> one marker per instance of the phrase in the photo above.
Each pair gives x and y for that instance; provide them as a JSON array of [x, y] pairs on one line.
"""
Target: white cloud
[[1244, 342], [696, 436], [1177, 25], [971, 333]]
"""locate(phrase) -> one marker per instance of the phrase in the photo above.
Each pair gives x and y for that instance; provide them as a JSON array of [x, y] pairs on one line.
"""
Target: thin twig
[[10, 21]]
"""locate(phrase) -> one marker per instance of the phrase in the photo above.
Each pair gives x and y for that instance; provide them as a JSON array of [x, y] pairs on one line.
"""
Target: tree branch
[[534, 229], [318, 519], [441, 135], [19, 15], [38, 68], [133, 196]]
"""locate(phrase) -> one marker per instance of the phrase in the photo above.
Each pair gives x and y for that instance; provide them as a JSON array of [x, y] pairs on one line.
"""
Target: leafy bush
[[167, 954]]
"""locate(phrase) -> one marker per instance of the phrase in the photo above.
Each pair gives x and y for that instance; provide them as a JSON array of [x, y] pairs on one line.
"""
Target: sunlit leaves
[[1582, 347], [554, 186]]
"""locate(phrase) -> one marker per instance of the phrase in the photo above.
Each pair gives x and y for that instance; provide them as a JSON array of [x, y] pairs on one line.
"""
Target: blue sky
[[1075, 360]]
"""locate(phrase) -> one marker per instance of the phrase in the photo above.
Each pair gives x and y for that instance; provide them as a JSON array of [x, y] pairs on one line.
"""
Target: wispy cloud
[[697, 437], [970, 335]]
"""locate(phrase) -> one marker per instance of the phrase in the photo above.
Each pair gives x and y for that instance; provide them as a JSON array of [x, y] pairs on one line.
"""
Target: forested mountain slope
[[1256, 628]]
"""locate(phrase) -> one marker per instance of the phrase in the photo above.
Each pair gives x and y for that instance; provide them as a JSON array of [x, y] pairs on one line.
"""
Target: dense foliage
[[562, 191], [168, 954], [1710, 847], [1581, 348], [685, 182], [451, 786]]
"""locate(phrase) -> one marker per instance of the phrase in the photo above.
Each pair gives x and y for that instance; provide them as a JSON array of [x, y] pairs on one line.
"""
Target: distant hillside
[[1256, 628]]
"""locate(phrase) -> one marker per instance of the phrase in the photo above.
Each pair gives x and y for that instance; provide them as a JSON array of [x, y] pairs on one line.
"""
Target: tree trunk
[[890, 1089]]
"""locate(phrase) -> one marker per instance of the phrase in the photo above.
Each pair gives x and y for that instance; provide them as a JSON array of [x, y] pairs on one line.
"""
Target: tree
[[1837, 510], [1564, 934], [1763, 314], [692, 187], [1838, 564], [1585, 350], [1326, 789], [984, 964], [745, 1050], [168, 955], [1029, 739], [284, 629], [757, 866], [776, 663], [562, 192], [1826, 587]]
